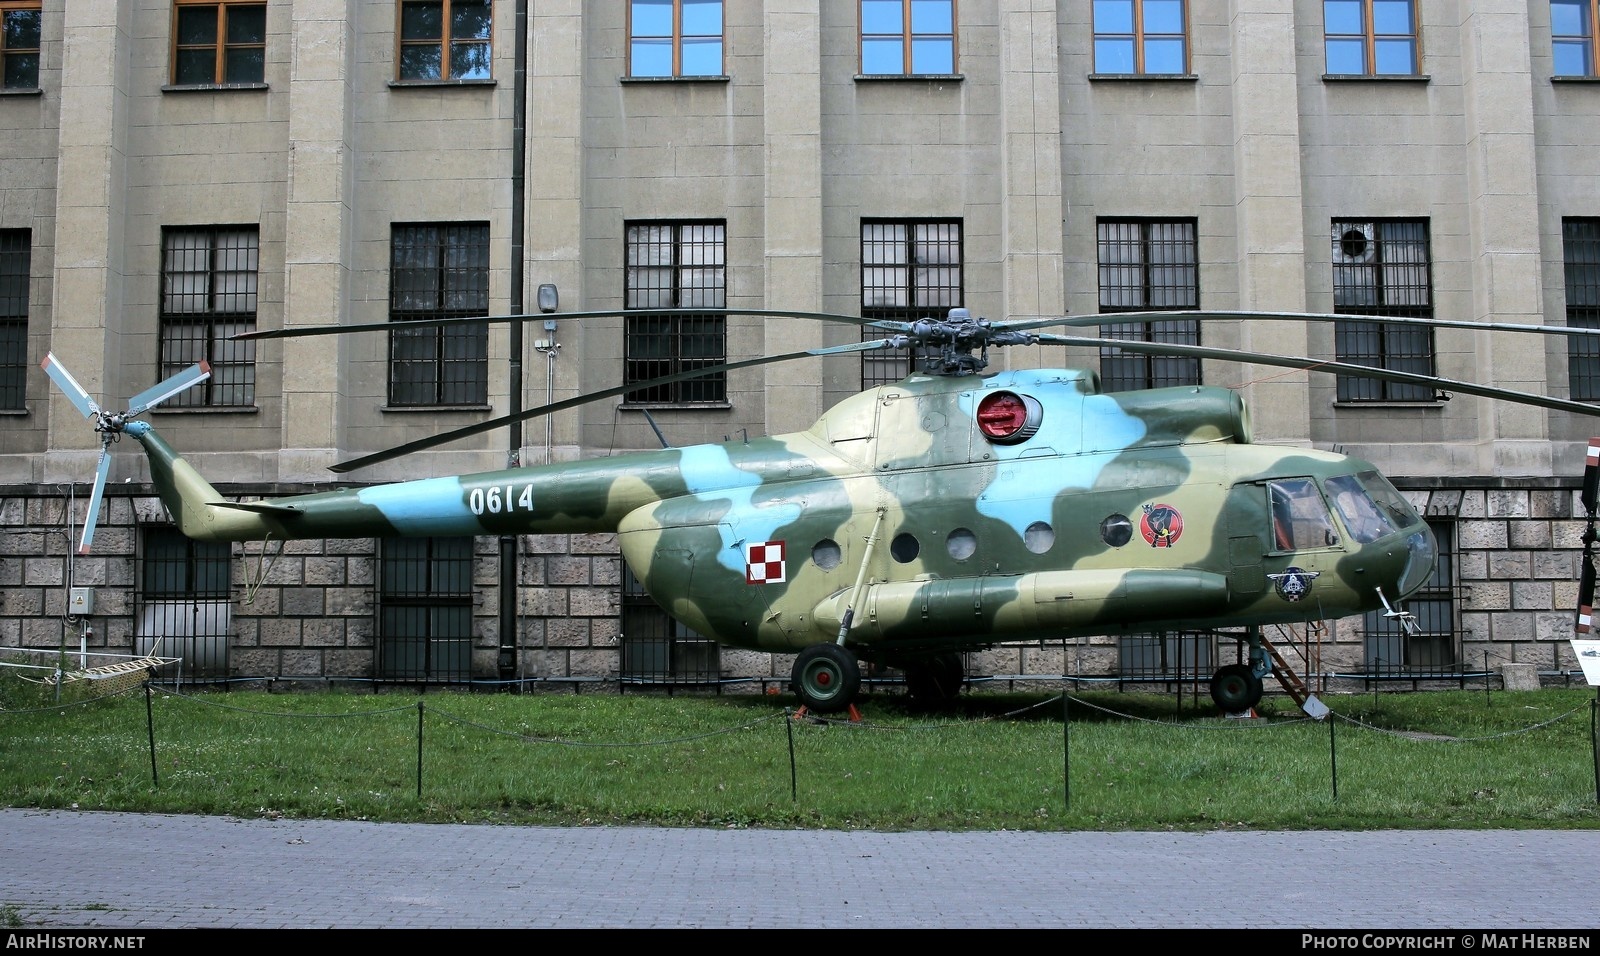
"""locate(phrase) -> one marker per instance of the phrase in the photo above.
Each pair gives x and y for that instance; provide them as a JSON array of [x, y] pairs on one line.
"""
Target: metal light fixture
[[549, 299]]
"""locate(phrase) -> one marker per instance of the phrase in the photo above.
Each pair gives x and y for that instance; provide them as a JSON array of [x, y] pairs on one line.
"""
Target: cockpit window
[[1300, 519], [1389, 500], [1370, 506], [1362, 516]]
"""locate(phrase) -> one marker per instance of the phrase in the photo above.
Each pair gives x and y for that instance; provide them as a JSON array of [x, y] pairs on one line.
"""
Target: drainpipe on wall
[[508, 542]]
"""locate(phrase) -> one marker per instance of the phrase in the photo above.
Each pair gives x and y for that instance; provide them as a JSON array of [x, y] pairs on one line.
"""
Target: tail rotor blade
[[155, 395], [92, 518], [69, 386]]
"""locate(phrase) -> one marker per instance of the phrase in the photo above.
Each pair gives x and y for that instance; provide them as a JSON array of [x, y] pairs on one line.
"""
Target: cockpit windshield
[[1369, 505]]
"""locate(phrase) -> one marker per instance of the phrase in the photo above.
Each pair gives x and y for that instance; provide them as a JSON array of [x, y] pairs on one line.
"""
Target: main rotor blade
[[1208, 315], [93, 516], [394, 325], [69, 386], [1341, 368], [491, 424], [161, 391]]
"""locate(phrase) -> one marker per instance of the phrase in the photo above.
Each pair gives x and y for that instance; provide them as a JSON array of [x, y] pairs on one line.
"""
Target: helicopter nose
[[1422, 551]]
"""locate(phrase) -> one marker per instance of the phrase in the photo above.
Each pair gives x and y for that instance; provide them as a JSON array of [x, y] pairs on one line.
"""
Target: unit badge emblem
[[1161, 525], [1294, 583]]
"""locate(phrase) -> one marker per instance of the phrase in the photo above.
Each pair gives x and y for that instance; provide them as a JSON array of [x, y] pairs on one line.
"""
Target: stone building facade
[[550, 132]]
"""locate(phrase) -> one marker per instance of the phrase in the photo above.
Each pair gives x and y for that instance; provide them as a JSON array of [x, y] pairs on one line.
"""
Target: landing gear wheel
[[935, 680], [826, 678], [1236, 688]]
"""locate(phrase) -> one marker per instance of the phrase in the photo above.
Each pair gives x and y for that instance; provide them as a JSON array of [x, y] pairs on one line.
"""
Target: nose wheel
[[826, 678]]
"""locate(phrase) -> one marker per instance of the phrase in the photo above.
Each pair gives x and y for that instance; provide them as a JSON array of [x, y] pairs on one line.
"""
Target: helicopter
[[957, 509]]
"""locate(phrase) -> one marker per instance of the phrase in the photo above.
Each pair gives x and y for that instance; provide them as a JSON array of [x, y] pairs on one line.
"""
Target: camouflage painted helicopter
[[955, 510]]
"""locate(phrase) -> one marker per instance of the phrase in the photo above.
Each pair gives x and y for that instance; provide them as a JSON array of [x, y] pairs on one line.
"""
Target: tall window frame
[[1572, 37], [16, 266], [444, 40], [1434, 649], [1580, 260], [675, 38], [1148, 265], [218, 42], [1141, 37], [209, 276], [1383, 267], [676, 265], [910, 269], [438, 270], [908, 37], [424, 609], [21, 39], [1371, 38]]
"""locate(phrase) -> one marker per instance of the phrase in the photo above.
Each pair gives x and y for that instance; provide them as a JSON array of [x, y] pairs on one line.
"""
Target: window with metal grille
[[1389, 649], [1370, 37], [185, 601], [1572, 43], [908, 37], [1148, 265], [15, 265], [676, 265], [425, 609], [208, 295], [1167, 656], [20, 25], [215, 43], [675, 38], [445, 40], [1580, 254], [910, 269], [439, 271], [657, 648], [1141, 37], [1383, 267]]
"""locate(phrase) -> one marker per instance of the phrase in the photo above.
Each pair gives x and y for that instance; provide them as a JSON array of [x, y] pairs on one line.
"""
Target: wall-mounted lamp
[[549, 298]]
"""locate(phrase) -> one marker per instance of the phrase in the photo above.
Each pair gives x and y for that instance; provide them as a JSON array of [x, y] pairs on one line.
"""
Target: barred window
[[208, 295], [1370, 37], [445, 40], [439, 271], [910, 269], [676, 265], [1389, 648], [657, 648], [20, 30], [1148, 265], [675, 38], [1580, 253], [1383, 267], [215, 43], [15, 266], [908, 37], [185, 601], [425, 609], [1148, 37], [1572, 37]]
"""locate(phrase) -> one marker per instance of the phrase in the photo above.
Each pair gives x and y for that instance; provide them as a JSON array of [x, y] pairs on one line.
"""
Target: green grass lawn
[[1040, 761]]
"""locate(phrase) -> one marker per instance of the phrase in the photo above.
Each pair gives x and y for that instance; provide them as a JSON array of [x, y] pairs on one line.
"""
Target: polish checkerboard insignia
[[764, 563]]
